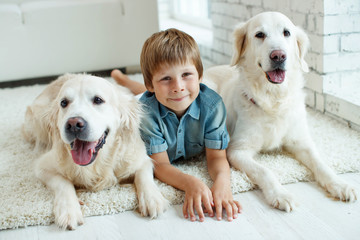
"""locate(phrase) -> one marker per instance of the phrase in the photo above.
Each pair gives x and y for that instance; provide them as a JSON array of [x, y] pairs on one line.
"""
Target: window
[[196, 12]]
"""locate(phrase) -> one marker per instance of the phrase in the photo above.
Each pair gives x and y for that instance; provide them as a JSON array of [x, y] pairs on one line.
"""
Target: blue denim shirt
[[203, 125]]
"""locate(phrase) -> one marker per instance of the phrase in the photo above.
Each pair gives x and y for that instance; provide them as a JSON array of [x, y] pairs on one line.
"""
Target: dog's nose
[[75, 125], [278, 56]]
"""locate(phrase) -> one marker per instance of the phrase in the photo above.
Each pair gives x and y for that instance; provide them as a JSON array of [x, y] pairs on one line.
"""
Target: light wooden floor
[[317, 217]]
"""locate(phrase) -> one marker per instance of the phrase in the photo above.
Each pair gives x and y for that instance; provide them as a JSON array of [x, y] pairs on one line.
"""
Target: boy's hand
[[197, 196], [219, 171], [224, 200]]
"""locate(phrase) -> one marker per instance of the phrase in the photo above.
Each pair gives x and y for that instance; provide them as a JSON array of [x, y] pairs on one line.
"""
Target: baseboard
[[48, 79]]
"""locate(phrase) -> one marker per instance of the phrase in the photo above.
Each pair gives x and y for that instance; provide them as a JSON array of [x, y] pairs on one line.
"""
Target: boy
[[184, 118]]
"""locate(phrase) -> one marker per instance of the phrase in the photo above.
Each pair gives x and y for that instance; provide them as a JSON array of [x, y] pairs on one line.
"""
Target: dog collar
[[250, 99]]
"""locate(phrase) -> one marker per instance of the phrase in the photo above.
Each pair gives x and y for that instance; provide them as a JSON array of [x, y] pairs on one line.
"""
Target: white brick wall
[[333, 27]]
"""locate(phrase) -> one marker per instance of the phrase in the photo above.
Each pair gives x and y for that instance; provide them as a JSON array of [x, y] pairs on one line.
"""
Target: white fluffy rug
[[25, 201]]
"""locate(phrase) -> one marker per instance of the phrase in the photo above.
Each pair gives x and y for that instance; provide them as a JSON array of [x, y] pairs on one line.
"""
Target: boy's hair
[[171, 46]]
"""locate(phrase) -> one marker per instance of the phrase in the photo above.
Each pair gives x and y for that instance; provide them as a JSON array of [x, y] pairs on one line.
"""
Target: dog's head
[[271, 43], [88, 113]]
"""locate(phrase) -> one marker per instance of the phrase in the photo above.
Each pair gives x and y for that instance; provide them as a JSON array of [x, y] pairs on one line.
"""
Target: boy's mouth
[[178, 99]]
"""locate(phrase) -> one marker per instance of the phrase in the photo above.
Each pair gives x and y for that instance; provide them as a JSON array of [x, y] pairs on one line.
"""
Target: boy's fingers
[[229, 211], [199, 210], [218, 209], [190, 208], [235, 210], [238, 205], [185, 211], [208, 208]]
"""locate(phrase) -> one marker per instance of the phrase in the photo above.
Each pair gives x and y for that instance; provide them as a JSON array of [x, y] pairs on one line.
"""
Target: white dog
[[262, 91], [89, 131]]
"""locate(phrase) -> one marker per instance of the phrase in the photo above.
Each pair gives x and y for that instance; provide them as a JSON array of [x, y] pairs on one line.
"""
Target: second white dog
[[262, 91]]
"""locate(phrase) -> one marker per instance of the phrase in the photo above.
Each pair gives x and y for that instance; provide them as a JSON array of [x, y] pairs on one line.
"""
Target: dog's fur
[[72, 115], [265, 108]]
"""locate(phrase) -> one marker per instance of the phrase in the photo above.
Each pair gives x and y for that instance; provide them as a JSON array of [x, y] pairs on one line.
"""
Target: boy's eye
[[166, 78], [186, 74]]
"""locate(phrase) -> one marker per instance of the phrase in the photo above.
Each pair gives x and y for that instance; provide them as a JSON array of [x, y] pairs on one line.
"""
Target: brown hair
[[171, 46]]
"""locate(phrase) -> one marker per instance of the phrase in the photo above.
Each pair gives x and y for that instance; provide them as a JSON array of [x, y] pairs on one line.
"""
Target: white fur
[[278, 117], [123, 155]]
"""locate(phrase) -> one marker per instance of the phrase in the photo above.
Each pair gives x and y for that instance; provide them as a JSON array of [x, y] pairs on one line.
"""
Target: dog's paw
[[282, 200], [152, 203], [341, 191], [68, 214]]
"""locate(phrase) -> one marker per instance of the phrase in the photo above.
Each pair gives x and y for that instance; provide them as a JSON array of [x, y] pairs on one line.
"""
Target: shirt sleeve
[[151, 133], [216, 135]]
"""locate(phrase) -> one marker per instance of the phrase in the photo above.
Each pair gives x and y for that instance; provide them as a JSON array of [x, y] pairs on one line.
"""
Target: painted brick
[[332, 82], [314, 81], [319, 102], [315, 23], [331, 44], [277, 5], [316, 43], [315, 61], [348, 23], [307, 6], [341, 62], [221, 34], [298, 19], [256, 3], [350, 43], [342, 108], [220, 58], [341, 6], [310, 97]]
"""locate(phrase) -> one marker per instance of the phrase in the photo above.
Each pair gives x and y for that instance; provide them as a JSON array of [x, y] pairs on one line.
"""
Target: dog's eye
[[98, 100], [260, 35], [64, 103], [286, 33]]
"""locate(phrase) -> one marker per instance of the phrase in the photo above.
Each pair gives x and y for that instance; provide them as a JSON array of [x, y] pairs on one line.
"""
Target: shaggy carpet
[[25, 201]]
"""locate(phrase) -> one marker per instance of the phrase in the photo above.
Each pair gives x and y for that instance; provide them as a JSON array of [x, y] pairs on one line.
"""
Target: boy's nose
[[178, 85]]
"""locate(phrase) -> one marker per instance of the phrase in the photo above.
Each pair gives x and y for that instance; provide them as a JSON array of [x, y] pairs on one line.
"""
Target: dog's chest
[[275, 130]]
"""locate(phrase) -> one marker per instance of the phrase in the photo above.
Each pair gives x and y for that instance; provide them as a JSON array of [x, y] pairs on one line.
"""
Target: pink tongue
[[82, 152], [276, 76]]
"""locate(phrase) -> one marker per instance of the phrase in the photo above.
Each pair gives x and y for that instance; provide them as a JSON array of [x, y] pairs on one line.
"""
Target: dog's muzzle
[[277, 75], [83, 152]]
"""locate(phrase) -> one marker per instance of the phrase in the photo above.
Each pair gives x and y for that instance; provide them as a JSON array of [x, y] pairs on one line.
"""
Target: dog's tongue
[[276, 76], [82, 152]]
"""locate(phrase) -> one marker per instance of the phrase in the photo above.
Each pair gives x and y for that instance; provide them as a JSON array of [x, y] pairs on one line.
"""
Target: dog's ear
[[129, 108], [303, 46], [239, 43]]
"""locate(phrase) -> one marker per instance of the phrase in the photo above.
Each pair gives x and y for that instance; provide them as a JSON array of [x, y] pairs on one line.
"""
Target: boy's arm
[[196, 192], [219, 171]]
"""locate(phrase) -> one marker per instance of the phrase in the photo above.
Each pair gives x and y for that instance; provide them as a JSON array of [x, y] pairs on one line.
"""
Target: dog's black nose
[[75, 125], [278, 56]]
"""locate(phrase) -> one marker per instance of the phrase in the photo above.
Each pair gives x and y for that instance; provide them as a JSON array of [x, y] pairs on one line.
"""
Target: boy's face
[[176, 86]]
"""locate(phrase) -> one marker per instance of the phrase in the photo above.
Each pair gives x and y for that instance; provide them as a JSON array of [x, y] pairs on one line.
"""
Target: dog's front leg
[[67, 209], [151, 201], [305, 151], [275, 194]]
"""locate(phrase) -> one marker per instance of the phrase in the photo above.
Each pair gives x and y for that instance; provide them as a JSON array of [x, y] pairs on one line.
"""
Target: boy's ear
[[200, 79], [149, 88]]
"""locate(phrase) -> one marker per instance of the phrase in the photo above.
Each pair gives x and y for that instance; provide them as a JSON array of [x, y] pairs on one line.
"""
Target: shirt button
[[179, 152], [179, 130]]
